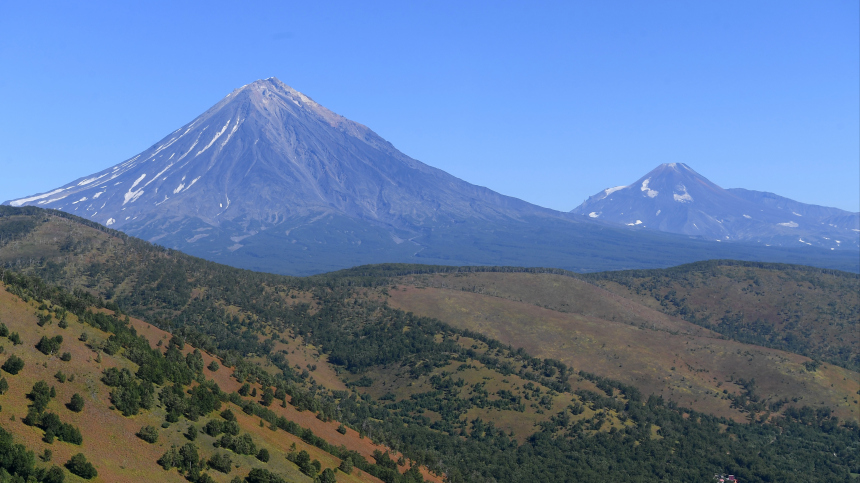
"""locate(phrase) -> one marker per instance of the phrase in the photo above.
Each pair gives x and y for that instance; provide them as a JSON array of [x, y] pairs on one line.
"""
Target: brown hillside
[[559, 293], [109, 440], [690, 369], [799, 309]]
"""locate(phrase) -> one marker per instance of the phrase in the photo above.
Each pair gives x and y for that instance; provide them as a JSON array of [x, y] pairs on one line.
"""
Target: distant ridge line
[[399, 270]]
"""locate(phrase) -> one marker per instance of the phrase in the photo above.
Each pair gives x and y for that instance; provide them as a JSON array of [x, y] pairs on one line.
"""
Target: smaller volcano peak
[[669, 174], [673, 168]]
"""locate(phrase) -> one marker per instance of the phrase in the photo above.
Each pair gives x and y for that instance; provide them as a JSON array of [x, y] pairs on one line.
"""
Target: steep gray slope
[[267, 153], [673, 198]]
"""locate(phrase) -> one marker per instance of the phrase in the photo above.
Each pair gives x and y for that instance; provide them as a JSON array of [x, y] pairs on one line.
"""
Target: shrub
[[191, 434], [260, 475], [48, 346], [263, 455], [189, 456], [66, 357], [213, 428], [4, 385], [54, 475], [13, 365], [185, 458], [43, 319], [148, 434], [341, 429], [79, 465], [328, 476], [51, 422], [170, 459], [59, 376], [63, 324], [15, 338], [4, 331], [221, 462], [76, 404], [303, 460], [213, 366], [40, 395], [268, 397], [127, 395], [239, 445], [346, 465]]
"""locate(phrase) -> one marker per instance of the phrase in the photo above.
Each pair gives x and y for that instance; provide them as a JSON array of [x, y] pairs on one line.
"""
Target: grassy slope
[[800, 309], [107, 450], [109, 438], [633, 349]]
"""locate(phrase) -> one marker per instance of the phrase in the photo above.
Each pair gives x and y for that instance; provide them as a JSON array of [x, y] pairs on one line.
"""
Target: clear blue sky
[[549, 102]]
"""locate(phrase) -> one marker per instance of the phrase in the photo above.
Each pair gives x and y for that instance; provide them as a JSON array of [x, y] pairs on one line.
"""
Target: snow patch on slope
[[217, 135], [21, 201], [648, 191], [684, 198], [609, 191], [131, 195], [232, 131]]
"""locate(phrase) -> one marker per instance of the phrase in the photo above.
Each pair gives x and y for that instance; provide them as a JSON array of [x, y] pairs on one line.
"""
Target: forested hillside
[[453, 400]]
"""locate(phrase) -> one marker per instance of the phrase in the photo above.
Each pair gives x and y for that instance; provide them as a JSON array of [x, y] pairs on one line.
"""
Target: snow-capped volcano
[[673, 198]]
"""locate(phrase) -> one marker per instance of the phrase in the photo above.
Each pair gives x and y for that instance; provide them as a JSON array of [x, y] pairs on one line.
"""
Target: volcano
[[674, 198], [265, 154]]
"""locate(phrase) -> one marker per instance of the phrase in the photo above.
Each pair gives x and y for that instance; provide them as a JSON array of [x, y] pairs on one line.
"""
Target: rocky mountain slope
[[673, 198], [267, 153]]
